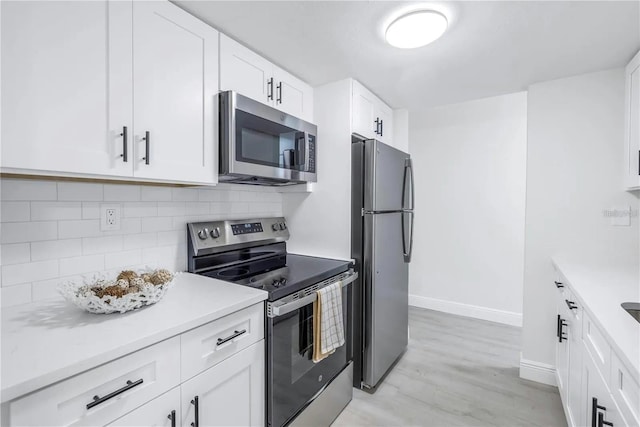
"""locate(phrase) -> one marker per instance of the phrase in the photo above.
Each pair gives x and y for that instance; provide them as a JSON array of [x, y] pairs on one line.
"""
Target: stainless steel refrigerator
[[381, 243]]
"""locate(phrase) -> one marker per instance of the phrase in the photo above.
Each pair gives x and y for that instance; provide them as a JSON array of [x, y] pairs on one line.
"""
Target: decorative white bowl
[[82, 295]]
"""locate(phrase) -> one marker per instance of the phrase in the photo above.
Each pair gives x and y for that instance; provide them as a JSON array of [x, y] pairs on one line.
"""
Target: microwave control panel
[[312, 154]]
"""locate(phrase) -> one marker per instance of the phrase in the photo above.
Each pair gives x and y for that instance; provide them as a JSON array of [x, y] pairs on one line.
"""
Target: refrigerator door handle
[[408, 167], [407, 251]]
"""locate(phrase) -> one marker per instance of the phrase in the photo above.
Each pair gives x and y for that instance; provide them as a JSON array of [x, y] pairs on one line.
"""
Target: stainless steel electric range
[[253, 253]]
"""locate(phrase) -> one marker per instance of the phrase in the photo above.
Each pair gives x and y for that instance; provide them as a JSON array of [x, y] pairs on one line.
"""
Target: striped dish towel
[[328, 328]]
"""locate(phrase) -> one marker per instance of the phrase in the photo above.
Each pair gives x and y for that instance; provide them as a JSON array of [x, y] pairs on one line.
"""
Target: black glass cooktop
[[281, 275]]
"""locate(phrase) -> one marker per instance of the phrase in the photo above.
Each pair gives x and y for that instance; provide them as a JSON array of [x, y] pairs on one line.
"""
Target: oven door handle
[[275, 310]]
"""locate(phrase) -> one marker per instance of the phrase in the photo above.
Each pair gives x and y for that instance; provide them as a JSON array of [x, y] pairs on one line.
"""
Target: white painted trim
[[467, 310], [538, 372]]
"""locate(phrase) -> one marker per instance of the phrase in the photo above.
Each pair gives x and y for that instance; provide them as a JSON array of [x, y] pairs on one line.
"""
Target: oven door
[[258, 140], [293, 379]]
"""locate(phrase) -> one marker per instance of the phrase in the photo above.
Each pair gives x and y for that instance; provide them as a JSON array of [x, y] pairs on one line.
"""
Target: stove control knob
[[275, 226], [283, 226], [203, 234], [215, 233]]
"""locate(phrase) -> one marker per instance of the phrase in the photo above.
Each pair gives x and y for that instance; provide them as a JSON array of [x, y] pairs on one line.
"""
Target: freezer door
[[386, 294], [386, 177]]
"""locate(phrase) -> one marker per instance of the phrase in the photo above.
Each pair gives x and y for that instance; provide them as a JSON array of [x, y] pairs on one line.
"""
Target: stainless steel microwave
[[264, 146]]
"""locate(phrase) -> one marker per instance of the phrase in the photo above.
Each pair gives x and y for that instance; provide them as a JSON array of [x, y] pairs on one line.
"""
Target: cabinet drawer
[[209, 344], [597, 345], [625, 390], [157, 413], [151, 372]]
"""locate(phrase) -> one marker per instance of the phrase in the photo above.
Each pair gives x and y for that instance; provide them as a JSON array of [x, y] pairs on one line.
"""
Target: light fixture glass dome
[[416, 29]]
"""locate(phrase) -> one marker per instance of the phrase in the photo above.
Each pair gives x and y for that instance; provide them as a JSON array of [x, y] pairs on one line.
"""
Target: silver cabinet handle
[[146, 140], [124, 144]]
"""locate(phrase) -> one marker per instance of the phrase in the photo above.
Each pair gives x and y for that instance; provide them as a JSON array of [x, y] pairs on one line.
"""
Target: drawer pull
[[602, 422], [98, 400], [172, 417], [571, 304], [196, 418], [558, 284], [235, 334], [594, 412]]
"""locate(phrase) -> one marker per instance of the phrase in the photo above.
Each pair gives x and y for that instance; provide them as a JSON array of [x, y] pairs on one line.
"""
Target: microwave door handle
[[305, 135]]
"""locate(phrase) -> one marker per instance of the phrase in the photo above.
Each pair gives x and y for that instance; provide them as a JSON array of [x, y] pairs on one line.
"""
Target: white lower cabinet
[[595, 387], [600, 408], [230, 393], [163, 411]]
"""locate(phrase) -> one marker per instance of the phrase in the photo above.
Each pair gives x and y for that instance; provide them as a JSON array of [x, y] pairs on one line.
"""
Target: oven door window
[[267, 143], [293, 378]]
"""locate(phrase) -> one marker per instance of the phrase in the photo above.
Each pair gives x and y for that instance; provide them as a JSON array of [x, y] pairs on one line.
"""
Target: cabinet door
[[292, 95], [632, 123], [175, 79], [594, 387], [362, 120], [230, 393], [245, 71], [384, 113], [163, 411], [66, 86], [574, 342], [562, 348]]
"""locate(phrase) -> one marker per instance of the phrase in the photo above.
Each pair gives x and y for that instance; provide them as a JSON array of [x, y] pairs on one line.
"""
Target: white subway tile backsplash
[[90, 210], [159, 223], [122, 259], [47, 211], [25, 273], [16, 253], [197, 208], [141, 209], [55, 249], [81, 265], [155, 194], [16, 295], [15, 211], [51, 230], [121, 193], [184, 194], [171, 208], [16, 232], [82, 191], [175, 237], [18, 189], [78, 228], [140, 240], [101, 245]]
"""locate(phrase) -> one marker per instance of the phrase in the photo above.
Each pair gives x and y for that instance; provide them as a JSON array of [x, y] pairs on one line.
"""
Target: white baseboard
[[538, 372], [467, 310]]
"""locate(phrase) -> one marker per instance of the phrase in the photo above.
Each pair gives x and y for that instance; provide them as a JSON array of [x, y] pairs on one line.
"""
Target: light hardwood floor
[[456, 372]]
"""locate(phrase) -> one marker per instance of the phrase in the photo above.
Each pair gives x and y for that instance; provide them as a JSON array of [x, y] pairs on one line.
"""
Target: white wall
[[50, 230], [574, 172], [470, 162], [320, 222]]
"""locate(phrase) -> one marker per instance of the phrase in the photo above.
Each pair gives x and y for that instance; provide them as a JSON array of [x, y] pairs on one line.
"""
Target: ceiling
[[491, 47]]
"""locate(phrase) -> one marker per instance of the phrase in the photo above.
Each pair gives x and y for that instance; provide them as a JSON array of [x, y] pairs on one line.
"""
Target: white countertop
[[48, 341], [602, 287]]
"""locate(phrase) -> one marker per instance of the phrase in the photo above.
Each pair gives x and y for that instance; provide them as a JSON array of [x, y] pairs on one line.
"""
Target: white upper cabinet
[[632, 124], [362, 119], [83, 82], [251, 75], [175, 80], [292, 95], [66, 86], [371, 118], [244, 71]]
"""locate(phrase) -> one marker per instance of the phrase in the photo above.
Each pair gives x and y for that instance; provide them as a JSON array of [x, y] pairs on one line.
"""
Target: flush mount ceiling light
[[416, 29]]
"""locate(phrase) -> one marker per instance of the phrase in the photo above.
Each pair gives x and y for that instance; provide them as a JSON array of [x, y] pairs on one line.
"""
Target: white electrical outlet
[[109, 217]]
